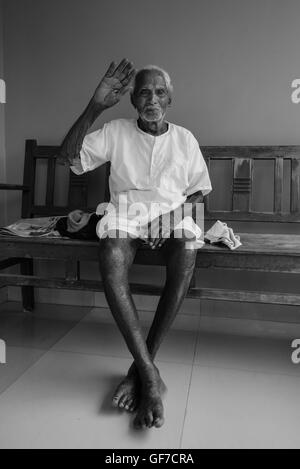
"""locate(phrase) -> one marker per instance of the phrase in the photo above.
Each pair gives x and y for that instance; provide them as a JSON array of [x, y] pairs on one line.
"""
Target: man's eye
[[143, 92], [161, 92]]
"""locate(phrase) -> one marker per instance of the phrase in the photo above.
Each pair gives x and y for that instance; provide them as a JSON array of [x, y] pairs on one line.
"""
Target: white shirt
[[165, 169]]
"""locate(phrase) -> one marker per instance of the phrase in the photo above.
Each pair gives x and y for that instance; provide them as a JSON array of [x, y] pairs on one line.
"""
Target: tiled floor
[[224, 391]]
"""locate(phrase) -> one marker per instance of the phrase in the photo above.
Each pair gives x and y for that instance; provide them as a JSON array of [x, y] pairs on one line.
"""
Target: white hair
[[151, 68]]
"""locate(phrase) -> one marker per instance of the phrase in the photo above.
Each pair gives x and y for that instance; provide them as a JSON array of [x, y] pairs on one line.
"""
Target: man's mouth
[[152, 108]]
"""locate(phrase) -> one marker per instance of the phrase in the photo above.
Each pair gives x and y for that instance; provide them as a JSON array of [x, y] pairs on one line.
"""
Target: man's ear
[[132, 100], [170, 101]]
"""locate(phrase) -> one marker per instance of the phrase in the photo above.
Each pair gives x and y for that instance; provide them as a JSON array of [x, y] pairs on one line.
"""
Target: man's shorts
[[121, 227]]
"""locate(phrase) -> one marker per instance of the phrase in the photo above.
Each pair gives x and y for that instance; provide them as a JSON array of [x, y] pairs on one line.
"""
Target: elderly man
[[152, 162]]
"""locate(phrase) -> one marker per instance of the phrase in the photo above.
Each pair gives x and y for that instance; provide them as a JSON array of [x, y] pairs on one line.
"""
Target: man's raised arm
[[113, 86]]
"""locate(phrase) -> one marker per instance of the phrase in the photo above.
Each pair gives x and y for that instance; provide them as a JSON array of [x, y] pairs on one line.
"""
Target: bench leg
[[27, 292]]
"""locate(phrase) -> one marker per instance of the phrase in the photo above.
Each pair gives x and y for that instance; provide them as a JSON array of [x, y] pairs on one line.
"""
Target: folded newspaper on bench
[[221, 233], [33, 228]]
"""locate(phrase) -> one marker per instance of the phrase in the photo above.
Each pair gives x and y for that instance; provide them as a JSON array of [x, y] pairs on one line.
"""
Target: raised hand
[[114, 84]]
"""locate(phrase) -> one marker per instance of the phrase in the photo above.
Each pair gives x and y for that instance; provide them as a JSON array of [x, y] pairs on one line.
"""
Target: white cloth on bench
[[221, 233]]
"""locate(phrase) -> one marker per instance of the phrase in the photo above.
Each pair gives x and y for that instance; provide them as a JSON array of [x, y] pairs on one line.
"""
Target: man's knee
[[181, 245], [184, 257], [116, 252]]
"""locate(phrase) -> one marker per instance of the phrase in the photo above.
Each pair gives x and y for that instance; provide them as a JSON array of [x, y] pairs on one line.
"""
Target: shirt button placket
[[153, 162]]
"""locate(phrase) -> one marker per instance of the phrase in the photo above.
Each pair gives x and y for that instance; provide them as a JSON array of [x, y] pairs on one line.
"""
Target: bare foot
[[151, 411], [127, 394]]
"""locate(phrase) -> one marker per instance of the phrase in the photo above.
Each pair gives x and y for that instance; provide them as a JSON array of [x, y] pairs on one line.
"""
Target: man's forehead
[[151, 78]]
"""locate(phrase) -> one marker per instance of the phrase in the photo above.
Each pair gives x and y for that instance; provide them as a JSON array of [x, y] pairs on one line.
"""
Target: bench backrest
[[234, 173], [269, 172]]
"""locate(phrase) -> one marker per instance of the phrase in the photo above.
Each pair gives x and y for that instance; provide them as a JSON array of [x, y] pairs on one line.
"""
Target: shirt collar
[[154, 136]]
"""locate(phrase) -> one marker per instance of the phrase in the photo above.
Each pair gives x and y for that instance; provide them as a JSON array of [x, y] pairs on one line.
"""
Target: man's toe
[[149, 419], [133, 406], [158, 418], [158, 422], [122, 402], [128, 404], [115, 401]]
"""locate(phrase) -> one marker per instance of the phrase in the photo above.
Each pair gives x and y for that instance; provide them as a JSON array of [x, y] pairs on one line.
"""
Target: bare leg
[[116, 257], [180, 266]]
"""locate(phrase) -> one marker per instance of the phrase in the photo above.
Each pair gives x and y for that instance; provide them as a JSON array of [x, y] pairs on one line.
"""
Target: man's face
[[151, 97]]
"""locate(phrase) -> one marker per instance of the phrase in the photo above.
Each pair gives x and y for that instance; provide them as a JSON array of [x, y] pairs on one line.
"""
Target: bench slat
[[4, 264], [50, 183], [263, 152], [154, 290], [253, 243], [295, 192], [29, 178], [13, 187], [242, 183], [278, 185]]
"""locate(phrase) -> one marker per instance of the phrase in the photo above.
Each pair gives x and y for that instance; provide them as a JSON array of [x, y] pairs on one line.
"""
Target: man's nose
[[152, 99]]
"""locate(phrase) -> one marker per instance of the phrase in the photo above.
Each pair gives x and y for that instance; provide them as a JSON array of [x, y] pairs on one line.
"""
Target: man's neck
[[153, 128]]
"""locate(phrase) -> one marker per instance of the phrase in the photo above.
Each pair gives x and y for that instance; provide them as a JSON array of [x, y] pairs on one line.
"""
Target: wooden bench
[[259, 252]]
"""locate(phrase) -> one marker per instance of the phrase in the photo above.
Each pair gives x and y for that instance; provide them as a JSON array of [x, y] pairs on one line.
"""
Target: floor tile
[[246, 353], [190, 306], [40, 329], [183, 322], [55, 296], [94, 337], [250, 327], [235, 409], [64, 402], [18, 360], [261, 313]]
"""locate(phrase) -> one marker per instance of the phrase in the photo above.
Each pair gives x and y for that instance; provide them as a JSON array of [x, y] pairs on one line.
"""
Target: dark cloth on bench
[[87, 232]]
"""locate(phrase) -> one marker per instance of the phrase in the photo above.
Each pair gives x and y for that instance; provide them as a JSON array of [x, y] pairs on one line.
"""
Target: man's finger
[[129, 77], [125, 88], [110, 70], [150, 241], [161, 242], [157, 242], [120, 68], [126, 70], [127, 84]]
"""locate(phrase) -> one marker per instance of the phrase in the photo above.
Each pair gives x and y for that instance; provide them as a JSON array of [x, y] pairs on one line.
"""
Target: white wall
[[232, 63]]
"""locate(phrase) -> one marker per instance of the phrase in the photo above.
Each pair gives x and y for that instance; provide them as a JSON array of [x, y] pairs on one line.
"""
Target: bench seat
[[259, 252]]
